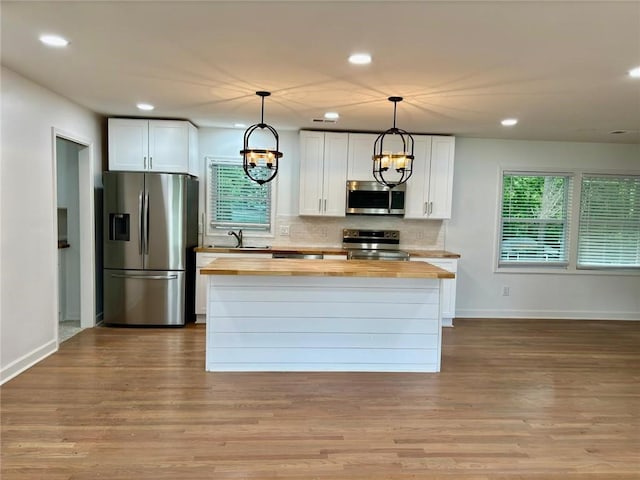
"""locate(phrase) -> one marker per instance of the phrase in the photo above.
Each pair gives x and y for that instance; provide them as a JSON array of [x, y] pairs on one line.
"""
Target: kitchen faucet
[[238, 237]]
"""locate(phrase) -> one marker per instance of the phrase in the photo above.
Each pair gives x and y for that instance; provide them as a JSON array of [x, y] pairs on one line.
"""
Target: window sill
[[567, 271]]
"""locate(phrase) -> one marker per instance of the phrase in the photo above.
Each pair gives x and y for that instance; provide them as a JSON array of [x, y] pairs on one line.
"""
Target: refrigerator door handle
[[144, 277], [140, 226], [146, 223]]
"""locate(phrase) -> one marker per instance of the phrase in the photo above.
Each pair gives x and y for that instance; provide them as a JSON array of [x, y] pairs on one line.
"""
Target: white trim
[[26, 361], [87, 226], [547, 314], [573, 216]]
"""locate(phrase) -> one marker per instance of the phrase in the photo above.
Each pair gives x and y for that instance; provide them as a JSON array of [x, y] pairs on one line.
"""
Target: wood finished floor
[[516, 399]]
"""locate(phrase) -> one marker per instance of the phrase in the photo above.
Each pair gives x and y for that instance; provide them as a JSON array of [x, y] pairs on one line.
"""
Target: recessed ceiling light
[[360, 59], [332, 115], [634, 72], [239, 125], [509, 122], [54, 40], [145, 106]]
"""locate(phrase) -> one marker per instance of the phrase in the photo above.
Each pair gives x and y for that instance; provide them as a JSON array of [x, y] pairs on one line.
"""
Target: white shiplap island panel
[[322, 323]]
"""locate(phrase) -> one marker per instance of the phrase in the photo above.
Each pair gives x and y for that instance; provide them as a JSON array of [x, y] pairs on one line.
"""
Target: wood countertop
[[324, 268], [320, 250]]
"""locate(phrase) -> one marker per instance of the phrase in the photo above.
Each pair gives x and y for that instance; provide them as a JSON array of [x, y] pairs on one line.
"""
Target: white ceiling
[[559, 67]]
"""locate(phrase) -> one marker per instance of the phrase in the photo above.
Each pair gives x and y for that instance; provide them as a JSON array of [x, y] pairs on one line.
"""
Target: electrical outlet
[[505, 291], [284, 230]]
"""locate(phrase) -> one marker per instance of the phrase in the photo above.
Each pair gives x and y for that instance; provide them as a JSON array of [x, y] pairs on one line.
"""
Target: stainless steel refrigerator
[[150, 231]]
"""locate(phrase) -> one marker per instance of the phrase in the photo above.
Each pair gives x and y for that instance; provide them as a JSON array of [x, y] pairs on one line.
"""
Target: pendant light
[[384, 161], [260, 164]]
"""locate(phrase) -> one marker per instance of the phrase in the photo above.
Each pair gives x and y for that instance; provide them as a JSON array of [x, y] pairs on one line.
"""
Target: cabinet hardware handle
[[145, 162], [325, 204], [425, 209], [320, 205], [144, 277], [430, 208], [150, 163]]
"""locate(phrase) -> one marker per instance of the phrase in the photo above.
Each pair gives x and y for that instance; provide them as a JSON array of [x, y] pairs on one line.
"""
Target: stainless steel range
[[373, 245]]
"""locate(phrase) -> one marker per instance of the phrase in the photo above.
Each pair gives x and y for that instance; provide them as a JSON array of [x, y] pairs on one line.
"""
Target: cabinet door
[[441, 177], [416, 198], [335, 174], [168, 146], [202, 281], [311, 172], [201, 293], [360, 164], [128, 144], [448, 288]]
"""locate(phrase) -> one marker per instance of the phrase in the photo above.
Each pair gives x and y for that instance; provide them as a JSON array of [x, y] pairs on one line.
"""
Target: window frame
[[571, 268], [248, 232], [567, 223]]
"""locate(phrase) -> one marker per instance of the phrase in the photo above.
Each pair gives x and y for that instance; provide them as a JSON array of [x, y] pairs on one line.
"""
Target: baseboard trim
[[547, 314], [27, 361]]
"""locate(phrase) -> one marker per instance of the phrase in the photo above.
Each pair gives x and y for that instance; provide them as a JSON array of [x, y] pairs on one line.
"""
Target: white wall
[[28, 239], [473, 229]]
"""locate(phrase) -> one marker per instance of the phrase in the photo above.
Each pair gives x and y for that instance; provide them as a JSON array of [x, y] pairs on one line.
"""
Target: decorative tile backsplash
[[327, 231]]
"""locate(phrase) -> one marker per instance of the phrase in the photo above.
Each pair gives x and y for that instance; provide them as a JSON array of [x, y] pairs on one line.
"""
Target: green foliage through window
[[534, 221]]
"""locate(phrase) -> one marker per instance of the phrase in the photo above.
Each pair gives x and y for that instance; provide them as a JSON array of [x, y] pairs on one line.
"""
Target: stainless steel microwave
[[371, 198]]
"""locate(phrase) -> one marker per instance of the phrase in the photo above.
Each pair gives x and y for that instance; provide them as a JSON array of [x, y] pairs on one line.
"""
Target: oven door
[[364, 254]]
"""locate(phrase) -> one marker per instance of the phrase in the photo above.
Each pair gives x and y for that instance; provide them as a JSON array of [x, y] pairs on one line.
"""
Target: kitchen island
[[323, 315]]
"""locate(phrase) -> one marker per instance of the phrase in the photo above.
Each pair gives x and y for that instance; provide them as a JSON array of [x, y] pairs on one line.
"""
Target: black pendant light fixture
[[384, 161], [260, 164]]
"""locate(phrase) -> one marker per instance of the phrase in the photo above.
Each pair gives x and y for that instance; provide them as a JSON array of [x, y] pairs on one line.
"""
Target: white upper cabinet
[[141, 145], [360, 163], [128, 144], [430, 188], [323, 173]]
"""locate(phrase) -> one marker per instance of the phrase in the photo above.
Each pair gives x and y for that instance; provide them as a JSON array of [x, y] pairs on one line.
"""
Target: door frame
[[86, 159]]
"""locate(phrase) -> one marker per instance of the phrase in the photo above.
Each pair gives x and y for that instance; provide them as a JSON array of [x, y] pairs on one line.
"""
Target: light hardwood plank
[[516, 399]]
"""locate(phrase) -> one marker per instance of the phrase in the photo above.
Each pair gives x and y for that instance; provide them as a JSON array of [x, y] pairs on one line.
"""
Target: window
[[233, 200], [534, 219], [609, 227]]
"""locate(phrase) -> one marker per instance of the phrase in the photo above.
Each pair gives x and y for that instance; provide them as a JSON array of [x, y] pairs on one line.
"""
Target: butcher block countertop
[[324, 268], [321, 250]]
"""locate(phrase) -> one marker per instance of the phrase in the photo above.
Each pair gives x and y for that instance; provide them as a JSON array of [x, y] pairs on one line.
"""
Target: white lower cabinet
[[202, 260], [448, 290]]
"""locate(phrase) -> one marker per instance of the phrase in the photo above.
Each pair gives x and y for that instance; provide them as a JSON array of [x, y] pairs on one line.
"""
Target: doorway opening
[[74, 214], [68, 215]]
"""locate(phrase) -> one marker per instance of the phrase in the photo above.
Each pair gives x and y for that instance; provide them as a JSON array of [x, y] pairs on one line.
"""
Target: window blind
[[534, 221], [609, 227], [236, 201]]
